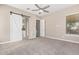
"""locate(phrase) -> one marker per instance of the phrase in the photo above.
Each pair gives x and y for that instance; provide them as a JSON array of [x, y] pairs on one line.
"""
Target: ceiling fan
[[41, 9]]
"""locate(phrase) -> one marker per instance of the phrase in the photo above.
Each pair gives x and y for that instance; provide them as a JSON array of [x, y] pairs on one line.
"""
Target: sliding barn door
[[15, 27]]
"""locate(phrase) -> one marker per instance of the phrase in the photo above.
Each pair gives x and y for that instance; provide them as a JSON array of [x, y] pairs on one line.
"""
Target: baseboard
[[46, 37], [10, 41], [62, 39]]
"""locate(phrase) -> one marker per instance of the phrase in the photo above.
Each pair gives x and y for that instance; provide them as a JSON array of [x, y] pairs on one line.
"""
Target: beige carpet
[[40, 46]]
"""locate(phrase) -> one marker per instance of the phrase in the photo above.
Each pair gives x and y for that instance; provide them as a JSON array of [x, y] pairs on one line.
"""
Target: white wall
[[32, 28], [4, 24], [56, 24]]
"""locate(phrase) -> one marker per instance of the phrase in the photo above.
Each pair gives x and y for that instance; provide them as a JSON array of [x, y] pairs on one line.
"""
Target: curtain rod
[[18, 14]]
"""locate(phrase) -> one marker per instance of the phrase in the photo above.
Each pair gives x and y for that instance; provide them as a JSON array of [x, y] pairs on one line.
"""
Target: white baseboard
[[9, 41], [62, 39], [46, 37]]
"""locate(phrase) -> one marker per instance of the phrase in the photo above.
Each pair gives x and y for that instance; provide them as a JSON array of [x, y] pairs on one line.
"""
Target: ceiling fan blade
[[35, 10], [37, 6], [45, 11], [46, 7]]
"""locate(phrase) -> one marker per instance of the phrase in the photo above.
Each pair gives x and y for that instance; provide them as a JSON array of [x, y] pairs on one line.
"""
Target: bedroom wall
[[5, 22], [56, 24], [32, 28]]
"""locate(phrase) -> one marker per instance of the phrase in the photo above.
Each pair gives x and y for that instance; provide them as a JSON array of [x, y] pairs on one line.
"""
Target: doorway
[[37, 28], [25, 27], [40, 28]]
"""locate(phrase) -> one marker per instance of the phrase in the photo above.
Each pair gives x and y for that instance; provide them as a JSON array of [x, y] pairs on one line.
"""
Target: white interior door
[[42, 28], [15, 27]]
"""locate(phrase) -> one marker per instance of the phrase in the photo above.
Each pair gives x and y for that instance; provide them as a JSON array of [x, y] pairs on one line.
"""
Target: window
[[72, 24]]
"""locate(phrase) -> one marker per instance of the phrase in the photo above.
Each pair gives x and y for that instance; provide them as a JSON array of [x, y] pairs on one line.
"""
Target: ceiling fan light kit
[[28, 8], [40, 11]]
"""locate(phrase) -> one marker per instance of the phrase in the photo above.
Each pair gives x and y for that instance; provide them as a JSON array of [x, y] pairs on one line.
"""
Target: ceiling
[[53, 8]]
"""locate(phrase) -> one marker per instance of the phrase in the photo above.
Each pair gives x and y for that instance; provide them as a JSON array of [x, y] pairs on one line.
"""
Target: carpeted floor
[[40, 46]]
